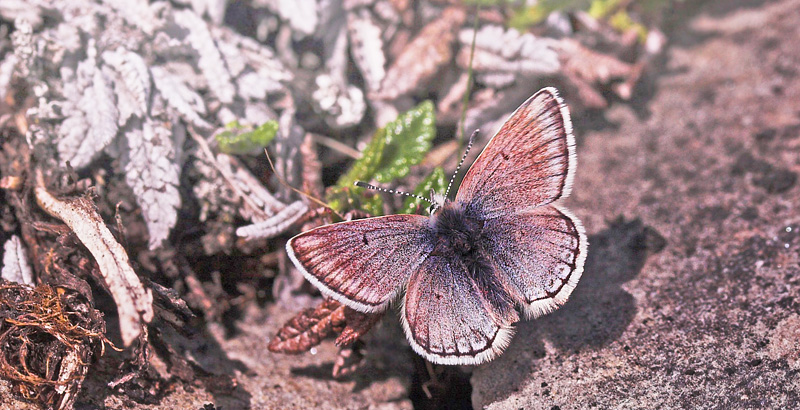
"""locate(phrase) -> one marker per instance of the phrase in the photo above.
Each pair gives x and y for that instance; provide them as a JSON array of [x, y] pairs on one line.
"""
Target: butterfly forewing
[[528, 163], [362, 263], [448, 319]]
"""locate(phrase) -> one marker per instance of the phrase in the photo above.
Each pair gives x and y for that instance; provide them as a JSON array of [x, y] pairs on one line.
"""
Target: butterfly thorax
[[457, 234], [460, 238]]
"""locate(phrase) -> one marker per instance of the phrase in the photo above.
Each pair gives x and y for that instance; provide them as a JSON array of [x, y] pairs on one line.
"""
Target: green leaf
[[395, 147], [526, 17], [436, 181], [389, 155], [364, 168], [344, 199], [623, 22], [408, 139], [238, 139], [602, 8]]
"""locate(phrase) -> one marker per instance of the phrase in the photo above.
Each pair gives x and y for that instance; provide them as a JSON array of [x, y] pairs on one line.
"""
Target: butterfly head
[[437, 202]]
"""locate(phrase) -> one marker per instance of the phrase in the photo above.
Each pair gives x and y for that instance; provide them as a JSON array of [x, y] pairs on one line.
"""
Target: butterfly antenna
[[391, 191], [463, 158]]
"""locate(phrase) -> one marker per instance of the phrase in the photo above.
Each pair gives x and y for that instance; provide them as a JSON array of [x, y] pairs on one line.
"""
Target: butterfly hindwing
[[363, 263], [448, 317], [540, 254], [530, 162]]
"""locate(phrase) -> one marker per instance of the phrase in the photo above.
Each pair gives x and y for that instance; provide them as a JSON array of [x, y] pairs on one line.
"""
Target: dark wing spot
[[505, 156], [364, 239]]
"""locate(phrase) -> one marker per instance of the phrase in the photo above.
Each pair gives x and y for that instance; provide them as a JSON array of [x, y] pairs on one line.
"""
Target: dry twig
[[134, 302]]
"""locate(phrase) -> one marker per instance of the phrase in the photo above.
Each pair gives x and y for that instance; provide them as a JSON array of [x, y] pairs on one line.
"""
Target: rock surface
[[710, 163]]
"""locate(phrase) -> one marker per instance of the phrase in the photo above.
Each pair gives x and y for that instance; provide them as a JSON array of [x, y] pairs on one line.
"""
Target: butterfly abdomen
[[459, 237]]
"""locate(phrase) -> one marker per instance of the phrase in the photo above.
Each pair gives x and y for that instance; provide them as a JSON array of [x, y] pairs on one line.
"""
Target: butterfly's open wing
[[363, 263], [530, 162], [452, 316], [538, 248], [540, 254]]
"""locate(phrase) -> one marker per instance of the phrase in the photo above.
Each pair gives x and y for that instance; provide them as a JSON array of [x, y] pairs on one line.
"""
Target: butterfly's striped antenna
[[463, 157], [391, 191]]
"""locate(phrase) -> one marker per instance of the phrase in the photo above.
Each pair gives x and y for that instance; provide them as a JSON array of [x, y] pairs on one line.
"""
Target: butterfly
[[504, 242]]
